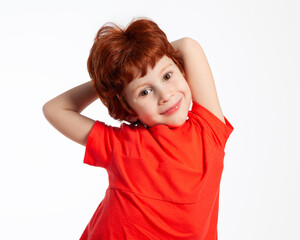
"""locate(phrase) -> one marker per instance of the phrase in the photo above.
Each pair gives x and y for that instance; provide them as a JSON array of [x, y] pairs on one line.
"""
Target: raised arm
[[199, 75], [63, 112]]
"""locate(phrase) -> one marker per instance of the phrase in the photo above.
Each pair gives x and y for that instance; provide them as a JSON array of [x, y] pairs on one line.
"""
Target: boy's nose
[[165, 95]]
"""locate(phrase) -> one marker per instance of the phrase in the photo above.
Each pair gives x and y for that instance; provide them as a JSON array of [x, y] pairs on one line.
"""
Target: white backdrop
[[253, 50]]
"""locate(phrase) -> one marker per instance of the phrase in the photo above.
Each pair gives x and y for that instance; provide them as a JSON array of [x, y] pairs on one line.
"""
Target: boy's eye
[[168, 76], [145, 92]]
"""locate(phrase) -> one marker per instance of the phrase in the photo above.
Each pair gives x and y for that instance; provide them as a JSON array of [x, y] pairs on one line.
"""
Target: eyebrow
[[162, 70], [171, 64]]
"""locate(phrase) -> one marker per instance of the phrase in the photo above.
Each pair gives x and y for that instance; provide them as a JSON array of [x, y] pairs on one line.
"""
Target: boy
[[165, 167]]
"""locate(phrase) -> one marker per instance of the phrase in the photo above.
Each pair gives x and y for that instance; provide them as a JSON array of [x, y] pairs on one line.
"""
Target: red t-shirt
[[163, 182]]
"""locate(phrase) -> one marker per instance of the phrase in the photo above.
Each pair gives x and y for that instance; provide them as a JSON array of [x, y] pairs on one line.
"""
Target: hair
[[119, 56]]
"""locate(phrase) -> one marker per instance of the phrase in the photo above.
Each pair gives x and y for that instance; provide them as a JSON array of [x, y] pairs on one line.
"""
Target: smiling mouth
[[172, 109]]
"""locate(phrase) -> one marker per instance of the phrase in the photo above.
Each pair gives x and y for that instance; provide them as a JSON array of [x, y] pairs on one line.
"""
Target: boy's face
[[162, 96]]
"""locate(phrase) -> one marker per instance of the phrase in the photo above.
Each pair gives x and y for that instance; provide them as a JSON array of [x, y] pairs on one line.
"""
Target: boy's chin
[[177, 124], [172, 124]]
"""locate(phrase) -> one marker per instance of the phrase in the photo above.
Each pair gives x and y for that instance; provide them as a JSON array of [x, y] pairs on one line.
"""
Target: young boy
[[165, 167]]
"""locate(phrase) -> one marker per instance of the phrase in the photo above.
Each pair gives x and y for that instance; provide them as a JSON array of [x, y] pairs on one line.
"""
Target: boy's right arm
[[63, 112]]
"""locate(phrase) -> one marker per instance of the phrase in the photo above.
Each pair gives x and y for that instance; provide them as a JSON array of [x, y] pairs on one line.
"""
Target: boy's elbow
[[192, 42], [45, 109], [48, 110]]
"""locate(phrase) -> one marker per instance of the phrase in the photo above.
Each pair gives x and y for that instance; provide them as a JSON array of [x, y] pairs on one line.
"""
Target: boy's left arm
[[199, 75]]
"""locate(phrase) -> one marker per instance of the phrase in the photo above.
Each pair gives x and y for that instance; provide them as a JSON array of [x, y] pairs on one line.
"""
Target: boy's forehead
[[160, 66], [165, 60]]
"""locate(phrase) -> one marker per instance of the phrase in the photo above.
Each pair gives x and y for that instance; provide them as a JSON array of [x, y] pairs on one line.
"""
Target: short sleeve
[[214, 127], [99, 144]]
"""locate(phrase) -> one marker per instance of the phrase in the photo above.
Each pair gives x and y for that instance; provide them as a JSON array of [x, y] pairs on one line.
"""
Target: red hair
[[118, 56]]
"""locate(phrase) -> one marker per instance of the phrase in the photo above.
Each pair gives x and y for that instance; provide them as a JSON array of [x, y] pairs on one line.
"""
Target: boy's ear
[[131, 118]]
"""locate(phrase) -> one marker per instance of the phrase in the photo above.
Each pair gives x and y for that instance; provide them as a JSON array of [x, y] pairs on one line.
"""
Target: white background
[[253, 50]]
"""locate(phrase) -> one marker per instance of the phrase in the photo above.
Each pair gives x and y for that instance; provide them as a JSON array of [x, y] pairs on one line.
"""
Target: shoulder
[[217, 130]]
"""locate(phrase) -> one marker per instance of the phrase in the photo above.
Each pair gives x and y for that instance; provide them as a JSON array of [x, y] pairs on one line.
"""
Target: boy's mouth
[[173, 108]]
